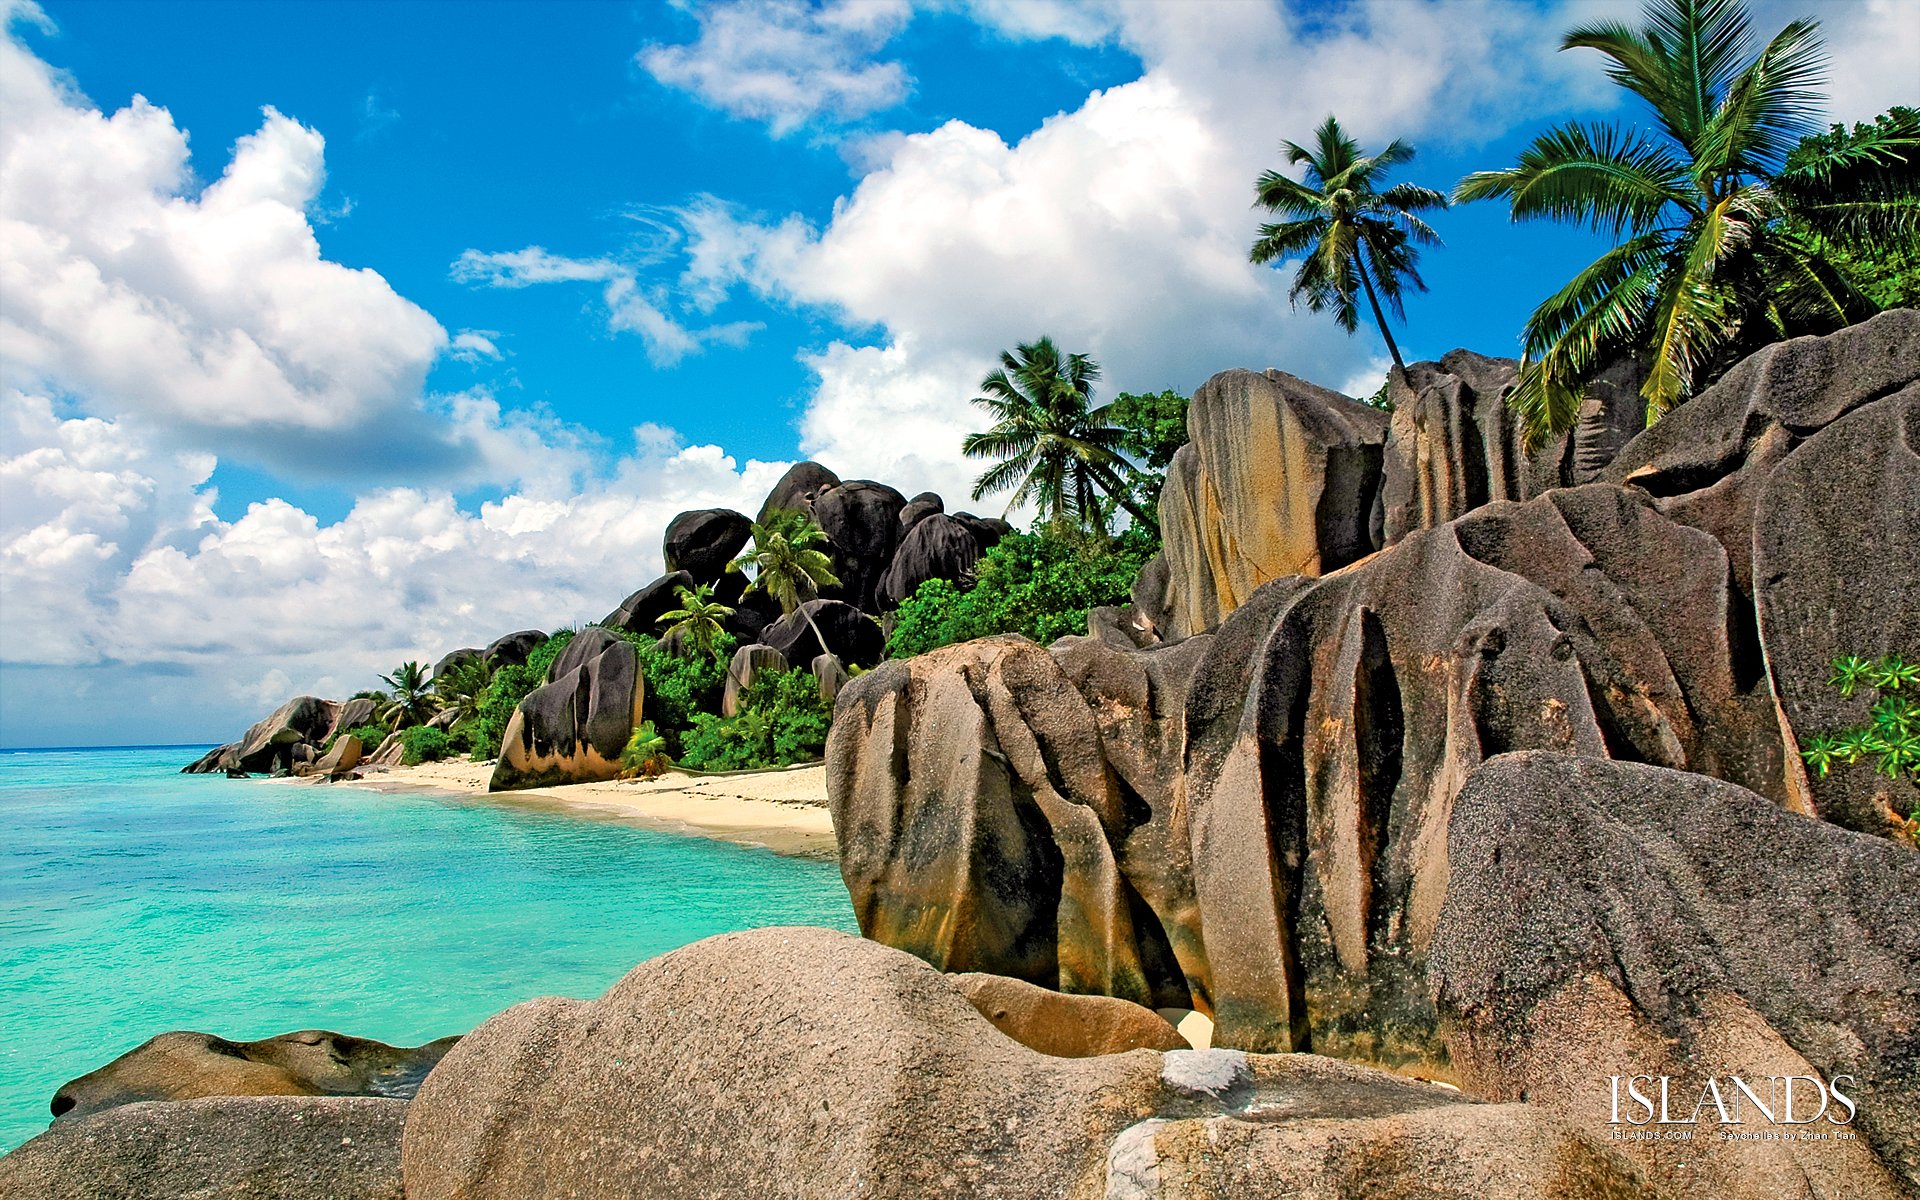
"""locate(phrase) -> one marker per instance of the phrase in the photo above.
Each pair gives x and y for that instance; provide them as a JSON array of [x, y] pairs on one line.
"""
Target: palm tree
[[1717, 237], [787, 561], [1055, 450], [410, 696], [699, 620], [1350, 237], [461, 686]]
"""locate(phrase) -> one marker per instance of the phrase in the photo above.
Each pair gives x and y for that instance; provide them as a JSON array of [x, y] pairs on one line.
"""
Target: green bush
[[370, 736], [646, 753], [423, 744], [678, 687], [782, 720], [488, 727], [1042, 587], [1891, 735]]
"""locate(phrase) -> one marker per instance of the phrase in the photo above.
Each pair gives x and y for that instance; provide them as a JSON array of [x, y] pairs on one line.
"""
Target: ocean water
[[134, 900]]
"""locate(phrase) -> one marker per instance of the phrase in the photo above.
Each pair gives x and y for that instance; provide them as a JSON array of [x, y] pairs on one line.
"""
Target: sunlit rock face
[[573, 728]]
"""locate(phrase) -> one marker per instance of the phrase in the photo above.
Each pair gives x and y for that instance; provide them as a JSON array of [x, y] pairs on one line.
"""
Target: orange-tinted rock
[[573, 729], [1063, 1025]]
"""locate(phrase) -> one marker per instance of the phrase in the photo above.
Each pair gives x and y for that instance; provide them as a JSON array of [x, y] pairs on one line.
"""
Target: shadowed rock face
[[939, 547], [861, 519], [850, 634], [218, 1148], [796, 490], [271, 744], [806, 1063], [704, 541], [572, 729], [312, 1062], [514, 648], [641, 612], [1618, 919]]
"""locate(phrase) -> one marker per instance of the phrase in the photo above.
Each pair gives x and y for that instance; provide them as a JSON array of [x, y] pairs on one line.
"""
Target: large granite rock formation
[[861, 519], [851, 635], [796, 490], [1614, 919], [918, 509], [272, 744], [939, 547], [572, 729], [641, 612], [220, 1148], [311, 1062], [1279, 478], [805, 1063], [513, 649], [704, 541]]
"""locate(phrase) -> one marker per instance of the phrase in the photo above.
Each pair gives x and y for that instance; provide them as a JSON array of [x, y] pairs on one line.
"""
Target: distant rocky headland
[[1476, 794]]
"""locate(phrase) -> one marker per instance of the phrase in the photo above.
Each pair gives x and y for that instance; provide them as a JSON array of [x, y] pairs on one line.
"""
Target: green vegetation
[[1724, 243], [700, 621], [1054, 450], [782, 720], [424, 743], [1152, 427], [1881, 161], [461, 686], [1891, 736], [646, 754], [1349, 236], [787, 559], [409, 696], [680, 686], [509, 686], [370, 736], [1040, 586]]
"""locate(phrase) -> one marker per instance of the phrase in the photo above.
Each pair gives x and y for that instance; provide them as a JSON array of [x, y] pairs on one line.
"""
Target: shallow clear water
[[135, 900]]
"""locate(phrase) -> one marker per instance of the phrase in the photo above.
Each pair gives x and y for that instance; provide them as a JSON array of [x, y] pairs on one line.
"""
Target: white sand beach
[[783, 810]]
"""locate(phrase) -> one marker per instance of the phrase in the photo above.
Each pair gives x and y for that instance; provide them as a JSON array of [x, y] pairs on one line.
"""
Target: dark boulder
[[796, 490], [752, 613], [918, 509], [573, 729], [986, 530], [271, 745], [312, 1062], [641, 612], [1609, 919], [862, 522], [747, 662], [514, 649], [938, 548], [850, 634], [219, 1148], [704, 541], [454, 658]]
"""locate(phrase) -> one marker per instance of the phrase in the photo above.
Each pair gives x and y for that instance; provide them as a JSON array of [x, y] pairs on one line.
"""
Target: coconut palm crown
[[1056, 450], [1717, 237], [700, 619], [1350, 236], [787, 559]]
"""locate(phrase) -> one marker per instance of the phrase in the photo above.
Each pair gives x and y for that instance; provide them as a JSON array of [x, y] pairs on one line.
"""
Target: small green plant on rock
[[1891, 736]]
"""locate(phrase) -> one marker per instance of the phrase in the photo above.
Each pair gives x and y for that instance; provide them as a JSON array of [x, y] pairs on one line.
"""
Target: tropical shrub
[[782, 720], [370, 736], [509, 686], [1040, 586], [680, 685], [646, 754], [423, 744], [1890, 738]]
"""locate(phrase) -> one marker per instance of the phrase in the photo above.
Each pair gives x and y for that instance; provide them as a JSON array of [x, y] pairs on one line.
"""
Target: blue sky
[[377, 329]]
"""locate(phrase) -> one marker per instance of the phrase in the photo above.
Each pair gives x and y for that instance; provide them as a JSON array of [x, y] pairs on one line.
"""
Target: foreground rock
[[1618, 919], [805, 1063], [572, 729], [311, 1062], [1066, 1026], [224, 1148]]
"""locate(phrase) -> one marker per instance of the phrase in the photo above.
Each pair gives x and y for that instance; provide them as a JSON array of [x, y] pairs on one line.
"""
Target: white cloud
[[208, 310], [789, 62], [475, 346]]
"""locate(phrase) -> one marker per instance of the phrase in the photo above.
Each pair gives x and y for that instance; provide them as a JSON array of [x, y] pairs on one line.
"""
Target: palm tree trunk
[[1118, 491], [1366, 281]]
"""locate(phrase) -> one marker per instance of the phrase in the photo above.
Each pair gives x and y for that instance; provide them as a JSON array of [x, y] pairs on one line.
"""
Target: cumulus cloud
[[789, 62], [474, 346], [631, 307]]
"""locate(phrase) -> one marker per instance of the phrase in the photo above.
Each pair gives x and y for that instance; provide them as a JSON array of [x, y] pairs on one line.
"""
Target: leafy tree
[[462, 684], [1152, 427], [410, 696], [1029, 584], [1719, 239], [424, 743], [700, 620], [787, 559], [1055, 449], [1878, 160], [1350, 236], [781, 720]]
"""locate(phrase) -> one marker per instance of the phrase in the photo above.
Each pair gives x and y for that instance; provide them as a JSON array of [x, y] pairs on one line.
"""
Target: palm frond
[[1601, 177]]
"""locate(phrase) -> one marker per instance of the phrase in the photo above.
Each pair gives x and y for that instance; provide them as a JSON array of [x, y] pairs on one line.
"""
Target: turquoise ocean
[[134, 900]]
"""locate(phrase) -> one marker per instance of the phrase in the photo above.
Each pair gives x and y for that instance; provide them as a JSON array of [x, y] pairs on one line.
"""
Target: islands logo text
[[1732, 1100]]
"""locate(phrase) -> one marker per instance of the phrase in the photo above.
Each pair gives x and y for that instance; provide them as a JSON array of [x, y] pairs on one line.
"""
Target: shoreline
[[784, 811]]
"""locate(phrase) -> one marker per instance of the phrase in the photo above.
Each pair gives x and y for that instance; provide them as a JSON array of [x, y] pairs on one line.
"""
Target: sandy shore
[[785, 811]]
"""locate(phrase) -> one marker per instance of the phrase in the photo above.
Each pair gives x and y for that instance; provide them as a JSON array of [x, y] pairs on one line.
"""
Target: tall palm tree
[[787, 560], [1055, 449], [1350, 236], [409, 696], [461, 686], [699, 620], [1717, 252]]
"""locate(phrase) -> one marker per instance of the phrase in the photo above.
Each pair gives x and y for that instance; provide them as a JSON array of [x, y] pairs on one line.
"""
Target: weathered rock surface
[[342, 758], [572, 729], [831, 674], [805, 1063], [796, 490], [221, 1148], [269, 745], [747, 662], [939, 547], [1066, 1026], [513, 649], [1279, 478], [1619, 919], [704, 541], [641, 612], [311, 1062], [850, 634], [918, 509], [861, 519]]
